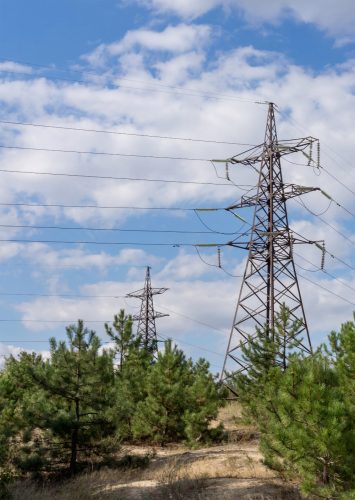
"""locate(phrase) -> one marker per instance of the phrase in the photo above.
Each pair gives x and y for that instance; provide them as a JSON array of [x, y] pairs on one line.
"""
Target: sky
[[121, 95]]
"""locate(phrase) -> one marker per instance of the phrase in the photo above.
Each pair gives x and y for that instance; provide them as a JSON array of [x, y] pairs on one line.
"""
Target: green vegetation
[[74, 410], [58, 415], [303, 406]]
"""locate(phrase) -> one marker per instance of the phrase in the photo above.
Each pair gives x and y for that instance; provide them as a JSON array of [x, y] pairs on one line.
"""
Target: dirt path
[[221, 472]]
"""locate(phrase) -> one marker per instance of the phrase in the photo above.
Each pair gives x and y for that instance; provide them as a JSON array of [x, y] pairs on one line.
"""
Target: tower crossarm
[[261, 240], [285, 192], [157, 315], [278, 149], [138, 294]]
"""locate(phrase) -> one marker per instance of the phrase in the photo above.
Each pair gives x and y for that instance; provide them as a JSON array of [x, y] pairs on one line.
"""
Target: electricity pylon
[[270, 277], [146, 318]]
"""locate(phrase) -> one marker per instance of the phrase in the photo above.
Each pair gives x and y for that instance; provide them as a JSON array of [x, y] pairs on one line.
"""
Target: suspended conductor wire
[[102, 153], [339, 280], [230, 274], [110, 177], [211, 230], [91, 73], [298, 126], [113, 243], [311, 211], [63, 295], [332, 255], [114, 132], [338, 180], [331, 226], [103, 207], [189, 344], [87, 83], [326, 289], [204, 261], [218, 266], [114, 229]]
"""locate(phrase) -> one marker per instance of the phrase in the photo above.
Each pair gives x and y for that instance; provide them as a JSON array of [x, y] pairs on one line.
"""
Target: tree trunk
[[73, 454], [74, 440]]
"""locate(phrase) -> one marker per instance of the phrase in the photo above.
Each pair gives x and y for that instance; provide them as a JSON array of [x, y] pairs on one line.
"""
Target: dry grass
[[225, 472]]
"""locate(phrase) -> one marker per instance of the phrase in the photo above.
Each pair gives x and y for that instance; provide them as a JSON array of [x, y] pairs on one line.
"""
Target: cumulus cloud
[[13, 67], [173, 39], [213, 101], [336, 19]]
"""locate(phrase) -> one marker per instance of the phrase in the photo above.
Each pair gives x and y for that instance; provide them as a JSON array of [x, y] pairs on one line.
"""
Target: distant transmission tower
[[270, 277], [147, 316]]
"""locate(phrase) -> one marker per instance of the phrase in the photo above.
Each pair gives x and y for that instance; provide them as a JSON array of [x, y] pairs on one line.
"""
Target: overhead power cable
[[104, 207], [113, 243], [326, 222], [102, 153], [334, 256], [338, 180], [110, 177], [114, 132], [342, 282], [111, 207], [326, 289], [161, 87], [114, 229], [60, 295], [348, 172]]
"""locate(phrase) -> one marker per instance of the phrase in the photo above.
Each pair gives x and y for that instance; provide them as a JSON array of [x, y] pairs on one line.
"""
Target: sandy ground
[[233, 470]]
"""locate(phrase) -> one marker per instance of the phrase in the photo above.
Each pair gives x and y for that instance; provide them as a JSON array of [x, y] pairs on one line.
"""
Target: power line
[[339, 280], [110, 177], [326, 289], [136, 243], [110, 207], [338, 180], [185, 91], [103, 153], [70, 228], [335, 257], [301, 128], [105, 207], [325, 222], [192, 345], [133, 134], [192, 319], [63, 295]]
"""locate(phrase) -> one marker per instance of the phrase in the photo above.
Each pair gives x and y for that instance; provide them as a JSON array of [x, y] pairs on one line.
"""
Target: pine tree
[[81, 379], [182, 399], [124, 341], [266, 355], [18, 393], [204, 397], [159, 416], [304, 412], [130, 374], [67, 398]]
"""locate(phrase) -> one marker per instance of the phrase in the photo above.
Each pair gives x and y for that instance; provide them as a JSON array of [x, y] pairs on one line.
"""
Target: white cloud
[[173, 39], [13, 67], [320, 105], [336, 18]]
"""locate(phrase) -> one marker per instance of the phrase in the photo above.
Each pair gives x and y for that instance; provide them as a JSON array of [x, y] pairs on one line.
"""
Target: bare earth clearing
[[229, 471]]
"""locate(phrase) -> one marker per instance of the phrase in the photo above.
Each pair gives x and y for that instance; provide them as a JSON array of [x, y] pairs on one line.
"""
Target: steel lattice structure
[[270, 277], [146, 318]]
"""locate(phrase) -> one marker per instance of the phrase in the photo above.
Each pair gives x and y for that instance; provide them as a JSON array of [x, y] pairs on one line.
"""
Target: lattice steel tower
[[270, 277], [146, 318]]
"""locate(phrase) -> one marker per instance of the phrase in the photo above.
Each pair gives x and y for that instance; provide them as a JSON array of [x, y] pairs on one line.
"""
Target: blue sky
[[184, 70]]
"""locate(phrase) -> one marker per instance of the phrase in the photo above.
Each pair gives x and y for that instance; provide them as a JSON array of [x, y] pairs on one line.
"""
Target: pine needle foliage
[[304, 407], [62, 411]]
